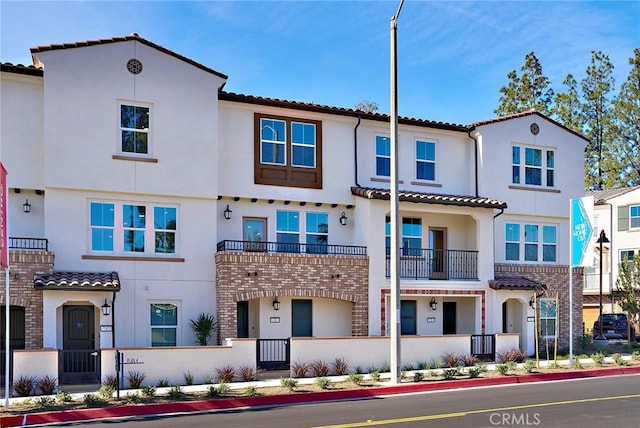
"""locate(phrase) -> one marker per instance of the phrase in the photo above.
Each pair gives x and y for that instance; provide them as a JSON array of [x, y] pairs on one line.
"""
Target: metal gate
[[273, 354], [483, 346], [78, 366]]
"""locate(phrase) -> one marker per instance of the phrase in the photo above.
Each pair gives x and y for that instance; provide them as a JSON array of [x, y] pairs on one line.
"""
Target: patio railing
[[421, 263], [18, 243], [287, 247]]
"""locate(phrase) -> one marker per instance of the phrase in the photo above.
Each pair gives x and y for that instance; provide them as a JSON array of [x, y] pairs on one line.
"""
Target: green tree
[[626, 110], [529, 90], [627, 291], [596, 88], [203, 328], [567, 107]]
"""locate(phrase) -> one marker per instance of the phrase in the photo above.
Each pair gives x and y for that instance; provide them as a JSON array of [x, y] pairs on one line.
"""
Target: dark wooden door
[[79, 361], [242, 312], [449, 318]]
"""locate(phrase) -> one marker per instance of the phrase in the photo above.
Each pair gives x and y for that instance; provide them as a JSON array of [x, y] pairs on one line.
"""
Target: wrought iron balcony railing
[[286, 247], [39, 244], [424, 263]]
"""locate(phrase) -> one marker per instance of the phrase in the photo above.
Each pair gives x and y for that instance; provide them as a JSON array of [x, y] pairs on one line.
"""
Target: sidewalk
[[218, 404]]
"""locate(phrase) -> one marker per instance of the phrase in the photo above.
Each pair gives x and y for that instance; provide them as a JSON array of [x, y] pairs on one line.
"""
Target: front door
[[243, 318], [408, 315], [79, 360], [449, 317], [16, 336], [438, 257], [301, 317]]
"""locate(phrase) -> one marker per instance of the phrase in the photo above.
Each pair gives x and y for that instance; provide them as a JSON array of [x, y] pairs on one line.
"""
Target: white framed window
[[303, 144], [273, 141], [288, 231], [426, 160], [532, 166], [135, 120], [125, 228], [411, 236], [634, 216], [627, 255], [531, 242], [383, 156], [163, 320]]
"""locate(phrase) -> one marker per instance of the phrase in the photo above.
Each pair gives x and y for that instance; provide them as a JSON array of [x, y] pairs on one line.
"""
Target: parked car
[[614, 326]]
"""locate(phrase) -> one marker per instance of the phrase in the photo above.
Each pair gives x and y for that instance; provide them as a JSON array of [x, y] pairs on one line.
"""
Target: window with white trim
[[531, 242], [533, 166], [383, 156], [164, 324], [134, 129], [425, 160], [627, 255], [634, 216], [288, 231], [410, 235], [124, 228]]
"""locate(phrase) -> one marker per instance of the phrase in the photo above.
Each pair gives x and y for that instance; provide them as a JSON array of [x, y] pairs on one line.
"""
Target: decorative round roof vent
[[534, 128], [134, 66]]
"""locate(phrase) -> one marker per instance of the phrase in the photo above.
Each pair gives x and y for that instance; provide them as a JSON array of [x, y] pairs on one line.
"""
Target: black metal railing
[[78, 366], [483, 346], [18, 243], [421, 263], [286, 247]]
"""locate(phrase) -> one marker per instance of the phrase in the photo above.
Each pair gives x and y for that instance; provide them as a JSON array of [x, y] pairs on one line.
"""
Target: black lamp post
[[602, 239]]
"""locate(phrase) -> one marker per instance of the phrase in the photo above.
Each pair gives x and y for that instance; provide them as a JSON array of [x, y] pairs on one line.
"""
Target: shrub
[[188, 378], [451, 360], [385, 368], [92, 400], [319, 368], [418, 376], [46, 385], [175, 393], [450, 373], [408, 367], [64, 396], [619, 360], [423, 365], [635, 355], [149, 390], [584, 343], [576, 362], [106, 391], [163, 383], [208, 379], [251, 391], [24, 385], [323, 382], [135, 379], [514, 355], [300, 369], [355, 378], [111, 380], [226, 374], [212, 392], [375, 376], [46, 401], [529, 366], [474, 371], [340, 366], [223, 388], [289, 383], [248, 373], [133, 398], [469, 360], [503, 369], [438, 364], [203, 328], [598, 359]]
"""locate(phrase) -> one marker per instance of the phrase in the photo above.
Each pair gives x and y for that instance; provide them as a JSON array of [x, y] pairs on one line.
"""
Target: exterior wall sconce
[[343, 219], [276, 304], [335, 275], [531, 302], [433, 304], [106, 308], [26, 207], [227, 213]]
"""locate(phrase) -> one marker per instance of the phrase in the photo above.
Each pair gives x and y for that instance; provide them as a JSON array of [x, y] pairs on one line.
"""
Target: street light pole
[[602, 239]]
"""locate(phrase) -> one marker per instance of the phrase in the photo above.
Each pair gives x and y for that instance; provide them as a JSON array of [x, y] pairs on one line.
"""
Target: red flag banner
[[4, 252]]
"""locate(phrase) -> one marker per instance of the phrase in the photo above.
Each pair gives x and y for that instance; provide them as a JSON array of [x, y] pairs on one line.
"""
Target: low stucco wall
[[506, 342], [37, 362]]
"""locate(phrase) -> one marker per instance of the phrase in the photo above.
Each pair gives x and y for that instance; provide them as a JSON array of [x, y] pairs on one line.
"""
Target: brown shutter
[[623, 218]]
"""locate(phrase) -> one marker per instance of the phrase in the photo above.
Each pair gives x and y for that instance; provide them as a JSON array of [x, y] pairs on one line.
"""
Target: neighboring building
[[158, 195], [617, 213]]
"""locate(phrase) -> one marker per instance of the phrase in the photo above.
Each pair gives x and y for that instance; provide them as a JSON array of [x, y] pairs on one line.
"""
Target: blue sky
[[453, 56]]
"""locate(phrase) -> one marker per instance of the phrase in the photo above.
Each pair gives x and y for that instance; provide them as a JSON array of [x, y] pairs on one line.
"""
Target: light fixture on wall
[[26, 207], [343, 219], [106, 308], [227, 213], [433, 304], [276, 304], [531, 302]]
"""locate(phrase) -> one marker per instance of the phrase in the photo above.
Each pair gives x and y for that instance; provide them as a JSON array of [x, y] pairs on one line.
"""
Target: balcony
[[592, 283], [38, 244], [427, 263], [291, 248]]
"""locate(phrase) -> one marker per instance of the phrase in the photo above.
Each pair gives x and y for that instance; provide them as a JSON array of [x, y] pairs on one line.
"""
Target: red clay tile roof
[[515, 283], [132, 36], [88, 281], [429, 198], [524, 114], [319, 108], [20, 69]]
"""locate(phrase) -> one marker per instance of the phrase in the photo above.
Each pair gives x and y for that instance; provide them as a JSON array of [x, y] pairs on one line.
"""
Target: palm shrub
[[300, 369], [149, 390], [111, 380], [188, 378], [46, 385], [203, 327], [340, 366], [319, 368], [175, 393], [247, 373], [451, 360], [226, 374], [24, 385], [135, 379]]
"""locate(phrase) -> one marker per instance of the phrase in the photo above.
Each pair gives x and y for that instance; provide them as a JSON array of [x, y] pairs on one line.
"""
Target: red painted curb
[[275, 400]]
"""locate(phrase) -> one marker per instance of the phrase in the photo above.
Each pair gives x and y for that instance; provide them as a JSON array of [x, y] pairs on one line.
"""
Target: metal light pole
[[395, 358], [602, 239]]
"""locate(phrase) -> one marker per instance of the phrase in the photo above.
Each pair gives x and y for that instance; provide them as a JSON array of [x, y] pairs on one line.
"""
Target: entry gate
[[483, 346], [273, 354], [78, 366]]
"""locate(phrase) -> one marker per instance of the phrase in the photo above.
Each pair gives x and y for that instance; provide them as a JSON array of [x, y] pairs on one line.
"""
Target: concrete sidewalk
[[220, 404]]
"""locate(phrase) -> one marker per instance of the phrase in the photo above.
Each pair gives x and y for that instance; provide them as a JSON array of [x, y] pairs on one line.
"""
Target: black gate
[[78, 366], [16, 337], [273, 354], [483, 346]]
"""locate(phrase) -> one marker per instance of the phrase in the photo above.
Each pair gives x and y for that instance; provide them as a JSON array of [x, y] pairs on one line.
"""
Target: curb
[[66, 416]]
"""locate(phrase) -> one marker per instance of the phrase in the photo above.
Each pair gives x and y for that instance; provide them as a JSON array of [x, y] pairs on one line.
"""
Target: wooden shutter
[[623, 218]]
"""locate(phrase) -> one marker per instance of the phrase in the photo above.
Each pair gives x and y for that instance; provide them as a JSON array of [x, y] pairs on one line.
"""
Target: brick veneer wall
[[296, 275], [556, 278], [24, 266]]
